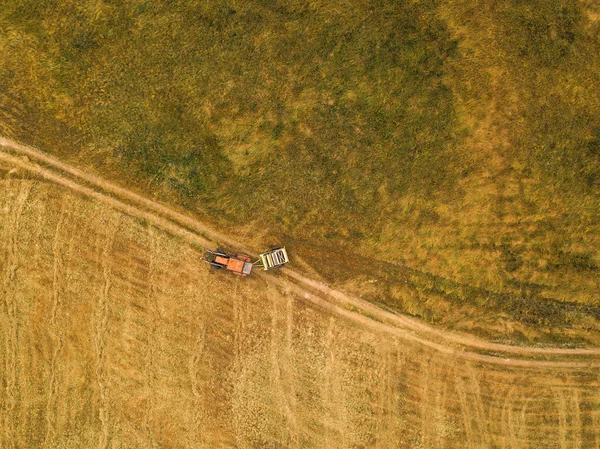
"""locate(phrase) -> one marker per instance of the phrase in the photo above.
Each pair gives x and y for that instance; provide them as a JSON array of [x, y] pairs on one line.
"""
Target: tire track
[[519, 430], [523, 420], [577, 427], [100, 331], [455, 345], [427, 418], [12, 265], [435, 395], [197, 391], [562, 418], [328, 384], [465, 412], [149, 362], [513, 420], [57, 335], [289, 363], [195, 366], [440, 412], [281, 363], [596, 425], [40, 223], [506, 421], [569, 419], [239, 329], [481, 418], [389, 395]]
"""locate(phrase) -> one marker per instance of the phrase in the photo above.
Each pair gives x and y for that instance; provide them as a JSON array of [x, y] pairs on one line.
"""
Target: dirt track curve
[[114, 334], [464, 346]]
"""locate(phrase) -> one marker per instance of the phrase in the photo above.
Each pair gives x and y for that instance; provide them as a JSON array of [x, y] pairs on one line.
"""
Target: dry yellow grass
[[114, 334]]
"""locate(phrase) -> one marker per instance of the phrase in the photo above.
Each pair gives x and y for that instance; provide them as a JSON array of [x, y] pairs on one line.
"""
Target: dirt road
[[113, 333], [465, 346]]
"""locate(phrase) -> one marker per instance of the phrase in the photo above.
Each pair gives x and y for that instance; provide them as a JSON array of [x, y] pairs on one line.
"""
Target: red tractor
[[239, 264]]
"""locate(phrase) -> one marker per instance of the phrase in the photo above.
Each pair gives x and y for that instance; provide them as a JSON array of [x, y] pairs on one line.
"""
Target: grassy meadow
[[438, 157]]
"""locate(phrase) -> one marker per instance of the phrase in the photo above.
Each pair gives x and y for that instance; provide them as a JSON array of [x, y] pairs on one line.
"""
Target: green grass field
[[441, 158]]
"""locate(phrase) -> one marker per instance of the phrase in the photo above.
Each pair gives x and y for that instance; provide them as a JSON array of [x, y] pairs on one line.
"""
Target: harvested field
[[114, 334]]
